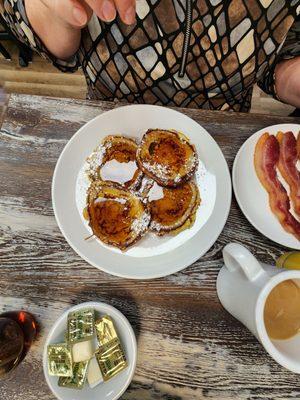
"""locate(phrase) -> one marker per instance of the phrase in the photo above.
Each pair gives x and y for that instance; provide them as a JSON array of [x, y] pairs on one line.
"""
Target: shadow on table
[[118, 297]]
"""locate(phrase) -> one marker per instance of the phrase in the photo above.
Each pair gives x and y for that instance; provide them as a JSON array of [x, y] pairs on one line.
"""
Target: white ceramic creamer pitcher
[[243, 286]]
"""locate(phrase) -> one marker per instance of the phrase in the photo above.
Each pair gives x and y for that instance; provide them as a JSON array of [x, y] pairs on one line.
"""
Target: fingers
[[105, 9], [87, 9], [126, 10], [75, 13]]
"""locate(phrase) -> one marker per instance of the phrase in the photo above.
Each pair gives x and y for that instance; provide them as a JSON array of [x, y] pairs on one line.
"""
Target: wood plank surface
[[189, 347]]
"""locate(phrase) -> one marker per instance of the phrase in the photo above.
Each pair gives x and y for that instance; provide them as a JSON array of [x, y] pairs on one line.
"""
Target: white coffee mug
[[243, 286]]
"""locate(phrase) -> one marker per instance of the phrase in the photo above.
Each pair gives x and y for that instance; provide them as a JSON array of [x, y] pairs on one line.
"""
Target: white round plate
[[151, 257], [112, 389], [251, 195]]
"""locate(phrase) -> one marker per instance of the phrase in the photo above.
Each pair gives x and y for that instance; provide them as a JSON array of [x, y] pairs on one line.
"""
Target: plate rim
[[235, 185], [84, 305], [226, 200]]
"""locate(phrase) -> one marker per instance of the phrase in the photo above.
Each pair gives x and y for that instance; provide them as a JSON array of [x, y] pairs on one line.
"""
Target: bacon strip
[[298, 145], [266, 158], [287, 166]]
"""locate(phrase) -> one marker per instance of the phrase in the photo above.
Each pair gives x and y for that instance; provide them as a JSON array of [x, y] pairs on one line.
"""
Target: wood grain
[[189, 346]]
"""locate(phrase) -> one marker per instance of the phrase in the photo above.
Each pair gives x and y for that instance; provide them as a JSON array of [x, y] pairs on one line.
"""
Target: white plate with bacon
[[266, 182]]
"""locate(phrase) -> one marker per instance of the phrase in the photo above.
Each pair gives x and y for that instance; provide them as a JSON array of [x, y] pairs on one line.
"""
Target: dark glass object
[[17, 332]]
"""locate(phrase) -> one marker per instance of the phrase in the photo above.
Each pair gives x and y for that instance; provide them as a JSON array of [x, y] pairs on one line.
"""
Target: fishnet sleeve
[[290, 49], [14, 14]]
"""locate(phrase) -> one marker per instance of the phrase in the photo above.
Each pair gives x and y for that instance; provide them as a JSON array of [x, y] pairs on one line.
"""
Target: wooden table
[[189, 347]]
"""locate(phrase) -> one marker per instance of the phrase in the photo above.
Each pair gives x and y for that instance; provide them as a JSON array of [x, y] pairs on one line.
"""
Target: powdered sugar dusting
[[191, 163], [140, 225], [104, 199], [146, 185], [163, 172], [155, 226], [157, 169], [95, 159], [177, 178]]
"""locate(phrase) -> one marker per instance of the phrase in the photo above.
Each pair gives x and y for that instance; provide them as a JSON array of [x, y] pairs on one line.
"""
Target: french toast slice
[[176, 210], [114, 160], [117, 216], [167, 157]]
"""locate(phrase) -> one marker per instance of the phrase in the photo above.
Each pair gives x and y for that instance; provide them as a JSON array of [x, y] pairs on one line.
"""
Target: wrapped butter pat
[[94, 375], [83, 351]]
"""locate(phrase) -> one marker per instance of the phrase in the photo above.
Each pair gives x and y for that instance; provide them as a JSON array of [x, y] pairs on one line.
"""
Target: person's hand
[[58, 23], [287, 82], [77, 13], [108, 9]]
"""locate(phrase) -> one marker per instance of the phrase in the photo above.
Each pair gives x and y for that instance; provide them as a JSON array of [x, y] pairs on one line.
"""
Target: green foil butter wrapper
[[78, 379], [111, 359], [80, 325], [59, 360], [105, 330]]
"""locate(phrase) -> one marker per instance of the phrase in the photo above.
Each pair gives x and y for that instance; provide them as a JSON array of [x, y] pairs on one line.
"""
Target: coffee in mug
[[282, 311]]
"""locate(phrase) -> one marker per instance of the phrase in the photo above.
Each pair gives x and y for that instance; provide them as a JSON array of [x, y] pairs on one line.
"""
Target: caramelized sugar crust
[[119, 148], [176, 207], [116, 216], [167, 157]]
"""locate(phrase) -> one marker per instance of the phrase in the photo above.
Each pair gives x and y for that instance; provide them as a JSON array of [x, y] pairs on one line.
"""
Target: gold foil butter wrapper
[[78, 379], [111, 359], [59, 360], [105, 330], [81, 325]]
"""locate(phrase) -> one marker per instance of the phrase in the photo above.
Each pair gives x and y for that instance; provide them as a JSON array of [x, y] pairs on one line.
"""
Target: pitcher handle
[[237, 257]]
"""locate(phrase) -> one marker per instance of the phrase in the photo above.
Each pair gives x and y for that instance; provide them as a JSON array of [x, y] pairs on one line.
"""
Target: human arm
[[283, 79], [287, 81], [53, 27]]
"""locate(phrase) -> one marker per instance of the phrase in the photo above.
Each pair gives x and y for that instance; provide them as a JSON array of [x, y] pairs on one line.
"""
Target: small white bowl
[[115, 387]]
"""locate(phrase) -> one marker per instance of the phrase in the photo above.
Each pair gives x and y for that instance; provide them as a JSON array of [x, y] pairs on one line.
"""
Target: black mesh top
[[189, 53]]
